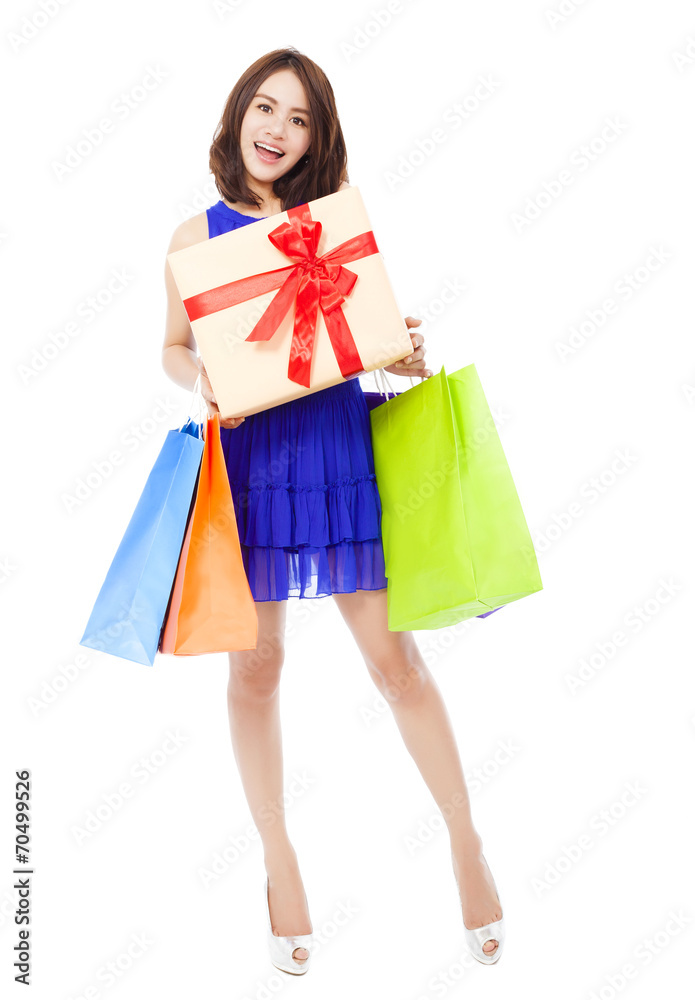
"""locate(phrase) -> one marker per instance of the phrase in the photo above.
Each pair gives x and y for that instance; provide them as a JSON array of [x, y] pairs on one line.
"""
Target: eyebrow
[[273, 101]]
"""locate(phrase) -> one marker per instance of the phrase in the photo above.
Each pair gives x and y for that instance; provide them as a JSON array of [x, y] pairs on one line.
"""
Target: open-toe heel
[[282, 948], [476, 937]]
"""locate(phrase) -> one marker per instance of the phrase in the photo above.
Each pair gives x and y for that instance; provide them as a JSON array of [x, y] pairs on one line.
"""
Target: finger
[[412, 358], [417, 368], [411, 321]]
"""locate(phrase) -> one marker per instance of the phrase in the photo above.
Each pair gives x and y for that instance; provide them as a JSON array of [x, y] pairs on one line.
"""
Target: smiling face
[[278, 118]]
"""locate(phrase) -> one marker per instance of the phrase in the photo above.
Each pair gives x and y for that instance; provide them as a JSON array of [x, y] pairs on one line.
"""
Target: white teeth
[[271, 148]]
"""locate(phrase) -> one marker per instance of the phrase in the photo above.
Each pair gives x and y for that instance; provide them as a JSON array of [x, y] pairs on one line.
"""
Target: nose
[[276, 128]]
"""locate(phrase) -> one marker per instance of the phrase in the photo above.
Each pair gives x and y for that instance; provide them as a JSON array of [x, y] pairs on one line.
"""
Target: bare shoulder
[[189, 232]]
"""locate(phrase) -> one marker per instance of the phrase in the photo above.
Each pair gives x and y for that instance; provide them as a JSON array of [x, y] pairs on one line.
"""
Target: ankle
[[466, 845], [279, 857]]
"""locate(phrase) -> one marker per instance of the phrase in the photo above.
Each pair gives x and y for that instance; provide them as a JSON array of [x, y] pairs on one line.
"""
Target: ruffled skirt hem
[[274, 574]]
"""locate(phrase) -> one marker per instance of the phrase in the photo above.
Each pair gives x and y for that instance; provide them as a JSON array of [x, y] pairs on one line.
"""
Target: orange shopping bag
[[211, 609]]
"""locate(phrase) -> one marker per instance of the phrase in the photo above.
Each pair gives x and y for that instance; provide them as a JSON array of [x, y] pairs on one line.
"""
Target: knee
[[400, 680], [254, 674]]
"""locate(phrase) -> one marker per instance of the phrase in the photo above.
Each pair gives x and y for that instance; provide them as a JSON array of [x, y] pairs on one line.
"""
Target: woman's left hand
[[414, 364]]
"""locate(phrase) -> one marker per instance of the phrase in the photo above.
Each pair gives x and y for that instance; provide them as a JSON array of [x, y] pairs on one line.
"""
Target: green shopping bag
[[455, 538]]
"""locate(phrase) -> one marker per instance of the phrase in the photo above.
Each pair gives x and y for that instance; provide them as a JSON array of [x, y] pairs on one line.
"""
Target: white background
[[627, 388]]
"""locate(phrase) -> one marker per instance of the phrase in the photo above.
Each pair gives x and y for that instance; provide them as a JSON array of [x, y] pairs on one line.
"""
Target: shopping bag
[[127, 617], [212, 608], [374, 399], [456, 542]]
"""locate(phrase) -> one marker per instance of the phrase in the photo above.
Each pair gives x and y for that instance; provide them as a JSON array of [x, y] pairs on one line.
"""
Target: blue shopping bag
[[129, 612]]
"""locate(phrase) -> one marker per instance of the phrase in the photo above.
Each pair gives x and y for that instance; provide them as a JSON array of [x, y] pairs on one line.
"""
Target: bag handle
[[198, 398], [386, 385]]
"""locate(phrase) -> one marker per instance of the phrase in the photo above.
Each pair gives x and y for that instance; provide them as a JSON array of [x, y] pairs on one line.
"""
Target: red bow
[[311, 283]]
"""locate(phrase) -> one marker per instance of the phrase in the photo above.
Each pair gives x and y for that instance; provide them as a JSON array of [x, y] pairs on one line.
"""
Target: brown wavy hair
[[318, 173]]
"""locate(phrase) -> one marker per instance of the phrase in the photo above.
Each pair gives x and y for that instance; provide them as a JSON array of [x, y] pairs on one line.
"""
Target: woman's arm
[[179, 356], [179, 350]]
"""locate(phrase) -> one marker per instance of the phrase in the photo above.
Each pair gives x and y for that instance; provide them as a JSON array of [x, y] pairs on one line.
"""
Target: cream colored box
[[249, 376]]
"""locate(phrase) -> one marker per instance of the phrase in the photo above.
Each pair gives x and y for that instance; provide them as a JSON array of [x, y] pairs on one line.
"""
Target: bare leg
[[253, 698], [401, 675]]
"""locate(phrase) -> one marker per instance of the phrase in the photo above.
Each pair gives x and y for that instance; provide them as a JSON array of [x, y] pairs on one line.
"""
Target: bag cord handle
[[386, 385], [198, 403]]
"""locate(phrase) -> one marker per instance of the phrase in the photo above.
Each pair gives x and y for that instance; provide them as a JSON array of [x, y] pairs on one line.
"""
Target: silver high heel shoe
[[476, 937], [281, 948]]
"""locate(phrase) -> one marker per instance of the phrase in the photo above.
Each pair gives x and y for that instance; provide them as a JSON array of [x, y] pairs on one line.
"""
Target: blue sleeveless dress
[[302, 479]]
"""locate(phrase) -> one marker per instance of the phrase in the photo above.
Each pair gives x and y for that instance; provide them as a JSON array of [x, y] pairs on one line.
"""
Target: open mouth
[[268, 155]]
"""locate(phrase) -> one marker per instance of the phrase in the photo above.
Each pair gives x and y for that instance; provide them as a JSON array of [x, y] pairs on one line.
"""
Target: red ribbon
[[312, 282]]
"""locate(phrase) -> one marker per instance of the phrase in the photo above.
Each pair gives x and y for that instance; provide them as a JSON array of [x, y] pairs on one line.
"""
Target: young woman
[[294, 470]]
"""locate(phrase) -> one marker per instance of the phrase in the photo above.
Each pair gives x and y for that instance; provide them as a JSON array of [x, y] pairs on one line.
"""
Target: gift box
[[291, 304]]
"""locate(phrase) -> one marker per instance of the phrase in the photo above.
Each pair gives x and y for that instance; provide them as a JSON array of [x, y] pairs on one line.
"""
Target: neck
[[269, 202]]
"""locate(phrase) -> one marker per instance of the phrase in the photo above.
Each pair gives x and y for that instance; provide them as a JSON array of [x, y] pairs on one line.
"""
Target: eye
[[297, 119], [261, 106]]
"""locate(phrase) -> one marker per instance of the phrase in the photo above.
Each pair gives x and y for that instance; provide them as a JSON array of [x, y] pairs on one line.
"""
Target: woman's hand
[[415, 363], [211, 402]]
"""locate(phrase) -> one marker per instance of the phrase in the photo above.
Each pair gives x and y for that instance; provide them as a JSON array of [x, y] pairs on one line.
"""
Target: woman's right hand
[[211, 403]]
